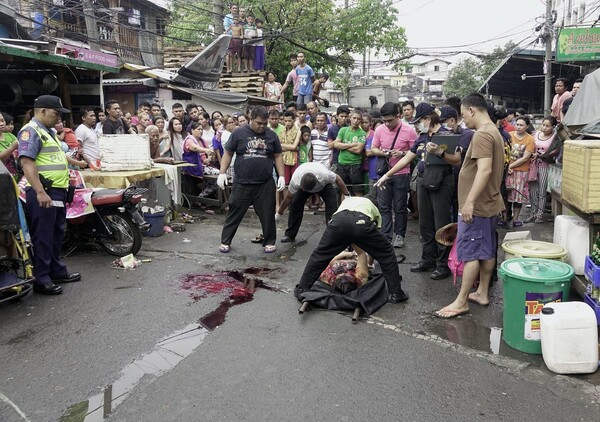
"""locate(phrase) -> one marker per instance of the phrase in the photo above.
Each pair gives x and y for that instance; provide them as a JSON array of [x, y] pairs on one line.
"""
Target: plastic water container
[[157, 224], [533, 249], [569, 338], [529, 285], [572, 233]]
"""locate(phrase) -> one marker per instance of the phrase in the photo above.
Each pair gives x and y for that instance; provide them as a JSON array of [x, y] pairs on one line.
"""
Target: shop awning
[[226, 102], [585, 109], [38, 53], [507, 80], [225, 97]]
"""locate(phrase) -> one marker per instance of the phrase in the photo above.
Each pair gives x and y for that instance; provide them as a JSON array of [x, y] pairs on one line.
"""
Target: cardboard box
[[124, 152], [581, 175]]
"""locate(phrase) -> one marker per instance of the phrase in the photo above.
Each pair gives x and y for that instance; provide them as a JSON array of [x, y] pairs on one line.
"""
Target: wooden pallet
[[176, 57], [240, 84], [248, 83], [244, 91]]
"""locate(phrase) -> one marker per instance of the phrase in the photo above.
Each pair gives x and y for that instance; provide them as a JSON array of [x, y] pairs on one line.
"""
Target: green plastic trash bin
[[529, 284]]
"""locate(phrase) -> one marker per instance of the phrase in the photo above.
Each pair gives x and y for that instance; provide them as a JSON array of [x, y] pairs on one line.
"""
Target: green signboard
[[578, 44]]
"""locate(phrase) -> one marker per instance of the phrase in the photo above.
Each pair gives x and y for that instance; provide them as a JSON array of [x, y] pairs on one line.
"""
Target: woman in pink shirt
[[560, 87], [538, 189]]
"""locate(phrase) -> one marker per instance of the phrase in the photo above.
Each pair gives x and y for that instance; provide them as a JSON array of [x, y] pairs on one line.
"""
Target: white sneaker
[[398, 241]]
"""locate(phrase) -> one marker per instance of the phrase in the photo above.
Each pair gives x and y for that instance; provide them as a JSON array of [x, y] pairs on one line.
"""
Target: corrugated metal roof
[[129, 81], [160, 3]]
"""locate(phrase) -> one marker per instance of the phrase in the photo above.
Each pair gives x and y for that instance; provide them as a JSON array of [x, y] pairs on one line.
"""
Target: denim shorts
[[477, 241]]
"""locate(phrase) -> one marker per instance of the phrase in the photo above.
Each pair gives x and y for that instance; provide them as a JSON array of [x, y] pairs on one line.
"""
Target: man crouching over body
[[357, 221]]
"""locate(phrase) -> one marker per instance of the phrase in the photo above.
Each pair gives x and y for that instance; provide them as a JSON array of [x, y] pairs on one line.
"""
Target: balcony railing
[[123, 40]]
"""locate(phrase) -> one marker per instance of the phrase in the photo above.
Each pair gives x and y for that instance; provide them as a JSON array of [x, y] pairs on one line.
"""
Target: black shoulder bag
[[383, 163]]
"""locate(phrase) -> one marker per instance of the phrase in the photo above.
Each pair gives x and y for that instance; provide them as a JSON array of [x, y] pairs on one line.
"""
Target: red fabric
[[71, 139]]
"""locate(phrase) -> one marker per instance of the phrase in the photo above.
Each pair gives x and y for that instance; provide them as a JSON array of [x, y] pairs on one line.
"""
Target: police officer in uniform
[[46, 169]]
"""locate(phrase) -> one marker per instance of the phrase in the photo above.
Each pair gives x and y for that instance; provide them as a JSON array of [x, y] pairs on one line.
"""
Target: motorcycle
[[109, 218], [116, 223]]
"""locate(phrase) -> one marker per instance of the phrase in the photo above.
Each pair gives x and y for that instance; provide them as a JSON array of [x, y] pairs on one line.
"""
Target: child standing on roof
[[235, 45]]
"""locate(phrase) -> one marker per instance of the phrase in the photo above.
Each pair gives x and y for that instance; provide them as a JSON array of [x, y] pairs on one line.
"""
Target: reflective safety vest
[[51, 161]]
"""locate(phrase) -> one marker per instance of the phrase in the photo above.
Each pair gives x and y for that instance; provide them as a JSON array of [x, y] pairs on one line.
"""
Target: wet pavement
[[199, 335]]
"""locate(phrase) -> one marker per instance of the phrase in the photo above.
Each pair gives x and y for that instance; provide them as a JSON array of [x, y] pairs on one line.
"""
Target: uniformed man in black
[[46, 169]]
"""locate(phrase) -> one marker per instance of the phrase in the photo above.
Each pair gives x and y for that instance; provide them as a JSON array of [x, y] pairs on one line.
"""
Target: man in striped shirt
[[318, 139]]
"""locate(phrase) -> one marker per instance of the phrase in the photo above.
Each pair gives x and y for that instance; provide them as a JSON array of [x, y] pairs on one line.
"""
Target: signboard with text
[[578, 44], [88, 55]]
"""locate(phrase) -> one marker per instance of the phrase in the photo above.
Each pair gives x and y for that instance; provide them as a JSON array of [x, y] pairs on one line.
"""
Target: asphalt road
[[112, 345]]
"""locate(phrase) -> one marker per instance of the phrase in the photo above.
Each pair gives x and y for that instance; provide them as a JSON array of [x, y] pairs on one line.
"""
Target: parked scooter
[[115, 224], [109, 218]]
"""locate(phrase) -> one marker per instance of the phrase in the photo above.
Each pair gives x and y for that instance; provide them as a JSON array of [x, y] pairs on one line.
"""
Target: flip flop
[[447, 314], [270, 248], [478, 303], [258, 239], [224, 248]]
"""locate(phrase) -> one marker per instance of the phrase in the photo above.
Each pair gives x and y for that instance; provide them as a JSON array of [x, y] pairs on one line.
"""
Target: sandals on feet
[[258, 239]]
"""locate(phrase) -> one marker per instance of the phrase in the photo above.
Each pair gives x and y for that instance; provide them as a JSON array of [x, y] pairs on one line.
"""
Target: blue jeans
[[304, 99], [393, 199]]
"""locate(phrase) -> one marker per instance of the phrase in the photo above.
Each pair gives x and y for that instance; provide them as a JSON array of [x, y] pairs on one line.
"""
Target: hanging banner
[[578, 44]]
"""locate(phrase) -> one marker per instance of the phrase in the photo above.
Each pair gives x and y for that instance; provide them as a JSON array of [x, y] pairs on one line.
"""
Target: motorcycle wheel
[[127, 237]]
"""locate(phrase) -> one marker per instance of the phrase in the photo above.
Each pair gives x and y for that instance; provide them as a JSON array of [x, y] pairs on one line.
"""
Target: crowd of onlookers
[[351, 142]]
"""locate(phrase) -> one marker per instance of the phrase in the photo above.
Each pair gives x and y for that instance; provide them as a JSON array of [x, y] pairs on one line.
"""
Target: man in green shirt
[[350, 141], [274, 124], [357, 221]]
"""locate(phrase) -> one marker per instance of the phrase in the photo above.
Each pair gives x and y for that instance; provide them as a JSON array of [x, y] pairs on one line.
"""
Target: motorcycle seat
[[107, 196]]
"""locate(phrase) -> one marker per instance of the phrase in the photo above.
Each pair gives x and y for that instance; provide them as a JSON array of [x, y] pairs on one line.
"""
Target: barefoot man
[[479, 202]]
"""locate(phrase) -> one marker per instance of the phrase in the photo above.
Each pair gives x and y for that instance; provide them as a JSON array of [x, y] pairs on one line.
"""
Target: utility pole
[[218, 17], [548, 35], [91, 25], [364, 67]]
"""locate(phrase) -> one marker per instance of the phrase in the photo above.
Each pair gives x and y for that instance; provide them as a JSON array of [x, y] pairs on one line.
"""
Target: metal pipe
[[303, 308], [356, 315], [549, 32]]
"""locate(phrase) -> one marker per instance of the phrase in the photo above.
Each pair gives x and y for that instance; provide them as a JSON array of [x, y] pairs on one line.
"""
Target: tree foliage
[[463, 78], [324, 31], [468, 74], [190, 23]]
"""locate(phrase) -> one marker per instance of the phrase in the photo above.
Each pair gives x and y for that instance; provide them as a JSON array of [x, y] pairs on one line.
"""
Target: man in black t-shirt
[[114, 125], [342, 114], [256, 151]]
